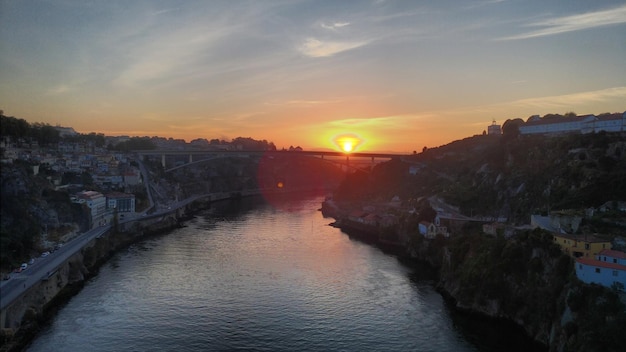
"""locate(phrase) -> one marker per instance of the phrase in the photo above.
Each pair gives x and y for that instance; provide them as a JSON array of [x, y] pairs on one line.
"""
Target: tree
[[510, 128]]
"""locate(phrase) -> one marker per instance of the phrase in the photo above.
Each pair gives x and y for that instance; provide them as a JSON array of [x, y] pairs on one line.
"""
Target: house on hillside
[[132, 176], [607, 269], [431, 230], [427, 229], [581, 246]]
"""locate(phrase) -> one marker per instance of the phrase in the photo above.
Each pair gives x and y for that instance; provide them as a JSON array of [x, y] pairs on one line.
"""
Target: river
[[258, 276]]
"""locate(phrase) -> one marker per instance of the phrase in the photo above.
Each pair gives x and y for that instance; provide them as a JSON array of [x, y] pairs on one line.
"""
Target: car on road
[[23, 266], [31, 261], [45, 254]]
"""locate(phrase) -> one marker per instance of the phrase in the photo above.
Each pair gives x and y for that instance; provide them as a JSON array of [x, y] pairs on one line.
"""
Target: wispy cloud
[[558, 25], [316, 48], [166, 54], [576, 99], [386, 122], [334, 26], [554, 103]]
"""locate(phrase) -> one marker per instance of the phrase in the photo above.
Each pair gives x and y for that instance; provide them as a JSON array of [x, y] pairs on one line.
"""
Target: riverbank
[[446, 257], [42, 301]]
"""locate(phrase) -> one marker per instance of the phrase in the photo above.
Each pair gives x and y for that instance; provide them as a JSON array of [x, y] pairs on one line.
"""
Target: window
[[586, 245], [580, 266], [615, 260], [598, 270]]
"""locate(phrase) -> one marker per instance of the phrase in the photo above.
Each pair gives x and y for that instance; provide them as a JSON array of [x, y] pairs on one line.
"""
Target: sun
[[347, 143]]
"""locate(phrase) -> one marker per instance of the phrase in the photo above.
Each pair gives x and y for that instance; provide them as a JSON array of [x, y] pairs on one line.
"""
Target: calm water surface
[[255, 276]]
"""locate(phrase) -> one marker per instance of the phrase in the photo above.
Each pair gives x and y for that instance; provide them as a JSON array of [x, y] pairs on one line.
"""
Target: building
[[576, 124], [427, 229], [607, 269], [97, 204], [431, 230], [608, 123], [494, 129], [498, 228], [612, 256], [581, 246], [556, 222], [132, 177], [121, 203]]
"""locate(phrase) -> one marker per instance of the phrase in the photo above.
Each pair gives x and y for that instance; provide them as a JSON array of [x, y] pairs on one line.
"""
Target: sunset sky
[[400, 75]]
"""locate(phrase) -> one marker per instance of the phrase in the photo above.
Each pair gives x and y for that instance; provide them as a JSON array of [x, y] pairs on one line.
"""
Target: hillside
[[524, 277], [497, 177]]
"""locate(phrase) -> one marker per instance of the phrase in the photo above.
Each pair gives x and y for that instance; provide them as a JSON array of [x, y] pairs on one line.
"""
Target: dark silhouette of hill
[[504, 177]]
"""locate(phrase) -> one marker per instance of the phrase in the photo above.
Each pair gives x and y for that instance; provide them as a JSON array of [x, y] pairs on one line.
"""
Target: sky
[[397, 75]]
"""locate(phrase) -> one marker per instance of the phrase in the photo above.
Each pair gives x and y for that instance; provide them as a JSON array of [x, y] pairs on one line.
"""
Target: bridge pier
[[190, 158], [163, 160]]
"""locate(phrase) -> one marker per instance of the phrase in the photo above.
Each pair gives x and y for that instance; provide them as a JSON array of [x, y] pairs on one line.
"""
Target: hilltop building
[[494, 129], [578, 124]]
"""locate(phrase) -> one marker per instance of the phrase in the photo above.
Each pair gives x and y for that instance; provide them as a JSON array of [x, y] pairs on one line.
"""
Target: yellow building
[[577, 246]]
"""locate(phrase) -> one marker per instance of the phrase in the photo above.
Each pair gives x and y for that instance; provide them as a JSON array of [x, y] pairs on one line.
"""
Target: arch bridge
[[197, 156]]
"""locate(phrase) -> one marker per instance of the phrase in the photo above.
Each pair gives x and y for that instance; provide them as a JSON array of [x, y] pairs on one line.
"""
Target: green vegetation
[[135, 143], [44, 134]]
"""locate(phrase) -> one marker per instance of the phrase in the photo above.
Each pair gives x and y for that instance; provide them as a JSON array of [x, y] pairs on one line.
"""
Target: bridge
[[196, 156]]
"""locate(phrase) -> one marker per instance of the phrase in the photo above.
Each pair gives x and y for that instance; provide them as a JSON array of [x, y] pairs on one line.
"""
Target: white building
[[97, 204], [578, 124]]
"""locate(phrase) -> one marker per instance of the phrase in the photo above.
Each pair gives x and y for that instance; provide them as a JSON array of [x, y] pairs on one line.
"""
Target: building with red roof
[[607, 269]]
